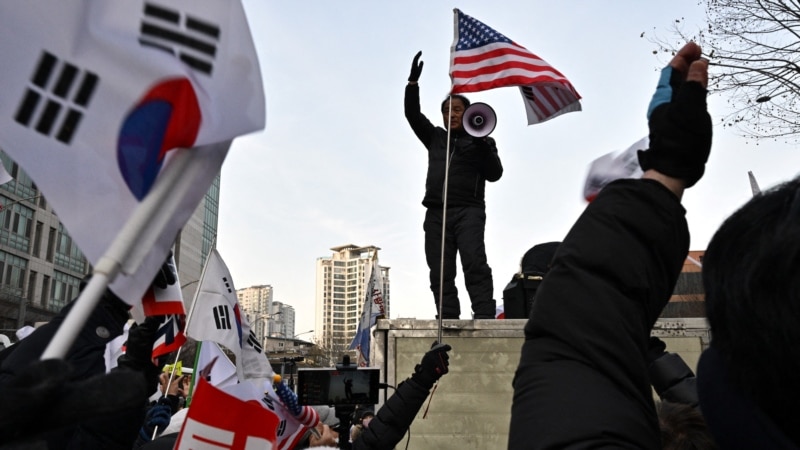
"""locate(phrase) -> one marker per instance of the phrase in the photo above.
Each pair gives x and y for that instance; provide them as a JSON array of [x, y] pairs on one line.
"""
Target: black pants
[[464, 235]]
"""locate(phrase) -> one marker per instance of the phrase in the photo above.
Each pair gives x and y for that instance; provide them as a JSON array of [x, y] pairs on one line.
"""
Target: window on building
[[16, 226], [31, 286], [37, 240], [45, 290], [65, 287], [51, 244], [12, 273], [67, 254]]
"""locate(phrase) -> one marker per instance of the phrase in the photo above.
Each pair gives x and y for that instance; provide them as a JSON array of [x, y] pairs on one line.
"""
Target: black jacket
[[582, 381], [472, 161], [394, 418]]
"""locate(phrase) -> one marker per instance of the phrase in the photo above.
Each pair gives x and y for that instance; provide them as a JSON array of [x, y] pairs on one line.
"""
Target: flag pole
[[200, 282], [132, 244], [444, 215]]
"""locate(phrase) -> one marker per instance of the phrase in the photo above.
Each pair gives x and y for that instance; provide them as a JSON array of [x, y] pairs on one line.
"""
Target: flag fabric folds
[[481, 58], [102, 95], [157, 301], [215, 315], [245, 423], [223, 372], [373, 309], [613, 166], [289, 428]]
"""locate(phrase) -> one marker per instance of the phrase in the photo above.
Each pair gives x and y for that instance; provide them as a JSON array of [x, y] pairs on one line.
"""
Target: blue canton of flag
[[473, 33]]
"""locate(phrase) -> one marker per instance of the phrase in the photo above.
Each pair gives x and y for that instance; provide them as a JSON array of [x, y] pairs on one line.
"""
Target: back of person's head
[[683, 428], [752, 290]]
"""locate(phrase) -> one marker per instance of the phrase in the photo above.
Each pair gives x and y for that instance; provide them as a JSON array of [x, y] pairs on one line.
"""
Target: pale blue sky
[[337, 163]]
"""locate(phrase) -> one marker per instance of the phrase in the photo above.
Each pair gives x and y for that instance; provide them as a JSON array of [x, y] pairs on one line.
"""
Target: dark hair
[[683, 428], [463, 99], [750, 275]]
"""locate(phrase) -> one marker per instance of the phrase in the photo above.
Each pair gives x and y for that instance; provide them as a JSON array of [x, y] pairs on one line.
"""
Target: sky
[[338, 164]]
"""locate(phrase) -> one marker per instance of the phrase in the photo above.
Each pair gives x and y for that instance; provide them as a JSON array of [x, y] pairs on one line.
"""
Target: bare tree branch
[[754, 51]]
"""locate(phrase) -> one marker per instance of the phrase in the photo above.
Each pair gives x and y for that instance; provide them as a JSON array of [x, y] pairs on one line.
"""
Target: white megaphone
[[479, 120]]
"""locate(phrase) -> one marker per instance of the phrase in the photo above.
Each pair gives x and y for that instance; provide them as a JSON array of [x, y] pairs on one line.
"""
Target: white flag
[[613, 166], [215, 315], [223, 372], [98, 97]]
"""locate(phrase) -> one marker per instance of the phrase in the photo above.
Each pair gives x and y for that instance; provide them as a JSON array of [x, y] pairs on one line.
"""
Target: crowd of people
[[588, 365]]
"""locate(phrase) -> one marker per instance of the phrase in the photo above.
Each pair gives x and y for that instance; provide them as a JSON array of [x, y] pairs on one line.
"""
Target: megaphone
[[479, 120]]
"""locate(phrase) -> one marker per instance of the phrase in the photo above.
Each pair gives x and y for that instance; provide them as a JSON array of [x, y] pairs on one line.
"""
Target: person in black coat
[[72, 403], [394, 418], [582, 379], [473, 162]]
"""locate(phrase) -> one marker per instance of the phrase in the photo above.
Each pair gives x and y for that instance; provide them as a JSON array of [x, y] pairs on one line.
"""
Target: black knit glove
[[416, 68], [433, 365], [680, 126], [139, 349], [167, 274]]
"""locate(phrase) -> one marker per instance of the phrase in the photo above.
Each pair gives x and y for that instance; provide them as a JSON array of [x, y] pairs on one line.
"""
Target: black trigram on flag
[[227, 284], [222, 317], [281, 428], [254, 342], [192, 40], [57, 97]]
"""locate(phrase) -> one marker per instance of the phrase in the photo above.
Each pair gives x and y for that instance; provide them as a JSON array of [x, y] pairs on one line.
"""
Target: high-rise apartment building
[[283, 325], [41, 267], [340, 294], [256, 304]]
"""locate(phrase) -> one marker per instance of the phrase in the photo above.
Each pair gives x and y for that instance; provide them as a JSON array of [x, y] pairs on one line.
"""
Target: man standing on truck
[[472, 162]]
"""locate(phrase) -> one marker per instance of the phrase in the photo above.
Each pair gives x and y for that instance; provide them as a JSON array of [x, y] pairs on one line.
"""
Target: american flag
[[481, 58]]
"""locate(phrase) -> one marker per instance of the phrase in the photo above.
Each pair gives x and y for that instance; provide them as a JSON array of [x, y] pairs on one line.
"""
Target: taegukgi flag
[[215, 314], [374, 308], [98, 96]]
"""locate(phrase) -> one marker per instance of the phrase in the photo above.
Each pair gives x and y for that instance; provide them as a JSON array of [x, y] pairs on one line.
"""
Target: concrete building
[[340, 293], [283, 325], [256, 304], [40, 266]]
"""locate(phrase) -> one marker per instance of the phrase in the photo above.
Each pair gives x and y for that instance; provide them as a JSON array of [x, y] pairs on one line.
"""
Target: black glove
[[416, 68], [680, 128], [485, 144], [139, 349], [167, 275], [433, 365], [157, 417]]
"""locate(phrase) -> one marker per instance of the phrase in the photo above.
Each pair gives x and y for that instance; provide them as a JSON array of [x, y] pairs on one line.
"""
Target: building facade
[[283, 325], [40, 266], [688, 298], [256, 304], [340, 294]]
